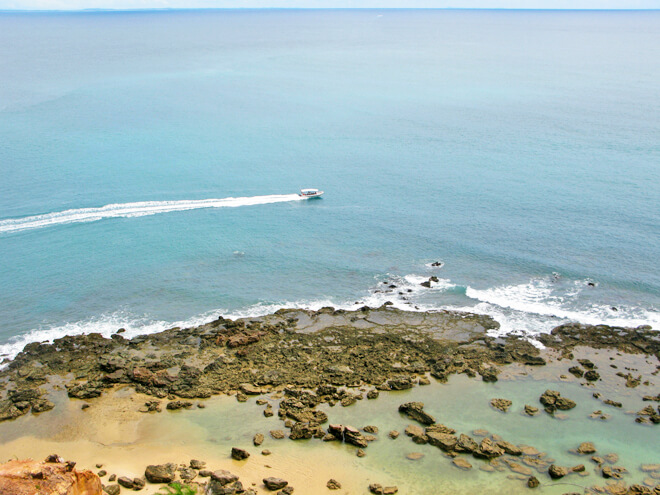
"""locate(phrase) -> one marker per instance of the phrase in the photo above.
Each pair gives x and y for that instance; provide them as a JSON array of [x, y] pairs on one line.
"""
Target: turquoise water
[[522, 149]]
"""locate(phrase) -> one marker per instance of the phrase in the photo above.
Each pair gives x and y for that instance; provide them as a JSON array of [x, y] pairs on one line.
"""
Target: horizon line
[[172, 9]]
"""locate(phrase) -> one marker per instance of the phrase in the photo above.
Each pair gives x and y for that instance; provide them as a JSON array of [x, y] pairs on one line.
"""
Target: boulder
[[223, 477], [197, 464], [27, 477], [354, 437], [275, 483], [592, 375], [417, 434], [126, 482], [533, 482], [586, 448], [258, 439], [443, 441], [112, 489], [509, 448], [160, 473], [415, 411], [557, 472], [466, 444], [488, 450], [400, 383], [564, 404], [531, 410], [239, 454], [501, 404]]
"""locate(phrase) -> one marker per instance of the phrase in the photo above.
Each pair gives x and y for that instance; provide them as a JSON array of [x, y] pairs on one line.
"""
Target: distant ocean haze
[[519, 148]]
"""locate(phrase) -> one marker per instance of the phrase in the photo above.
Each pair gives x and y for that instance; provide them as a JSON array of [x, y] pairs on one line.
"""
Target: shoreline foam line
[[130, 210]]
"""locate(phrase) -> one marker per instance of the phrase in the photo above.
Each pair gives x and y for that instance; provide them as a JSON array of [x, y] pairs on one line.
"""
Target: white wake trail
[[139, 209]]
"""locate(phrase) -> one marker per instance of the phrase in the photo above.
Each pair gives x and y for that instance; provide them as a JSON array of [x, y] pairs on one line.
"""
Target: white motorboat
[[310, 193]]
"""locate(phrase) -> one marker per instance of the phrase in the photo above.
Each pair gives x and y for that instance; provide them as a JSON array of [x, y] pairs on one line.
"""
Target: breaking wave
[[129, 210], [529, 309]]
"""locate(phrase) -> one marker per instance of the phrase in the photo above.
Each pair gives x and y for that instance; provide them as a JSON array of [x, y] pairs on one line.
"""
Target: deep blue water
[[520, 148]]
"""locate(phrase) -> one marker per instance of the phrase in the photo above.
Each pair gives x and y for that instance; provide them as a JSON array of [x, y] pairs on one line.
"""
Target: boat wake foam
[[130, 210]]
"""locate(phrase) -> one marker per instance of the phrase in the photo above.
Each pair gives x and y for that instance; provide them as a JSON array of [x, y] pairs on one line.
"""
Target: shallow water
[[113, 433]]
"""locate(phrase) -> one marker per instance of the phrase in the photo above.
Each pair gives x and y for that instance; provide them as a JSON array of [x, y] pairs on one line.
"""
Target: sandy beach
[[463, 371]]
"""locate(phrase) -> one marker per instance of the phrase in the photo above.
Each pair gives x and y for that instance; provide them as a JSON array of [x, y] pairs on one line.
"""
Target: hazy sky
[[149, 4]]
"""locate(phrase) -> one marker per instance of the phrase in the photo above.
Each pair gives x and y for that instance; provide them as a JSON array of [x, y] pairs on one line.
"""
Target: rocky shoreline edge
[[307, 358]]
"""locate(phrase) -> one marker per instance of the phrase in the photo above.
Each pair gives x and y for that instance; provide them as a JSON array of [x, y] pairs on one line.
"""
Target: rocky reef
[[383, 348]]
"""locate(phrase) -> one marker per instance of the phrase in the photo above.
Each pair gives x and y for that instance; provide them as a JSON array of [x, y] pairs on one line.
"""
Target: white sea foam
[[106, 325], [539, 305], [529, 309], [140, 209]]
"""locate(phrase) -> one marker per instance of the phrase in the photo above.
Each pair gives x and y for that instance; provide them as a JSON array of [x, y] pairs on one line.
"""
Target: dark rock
[[501, 404], [258, 439], [577, 371], [443, 441], [222, 477], [126, 482], [466, 444], [586, 448], [532, 482], [275, 483], [160, 473], [531, 410], [488, 450], [239, 454], [417, 434], [400, 383], [197, 464], [557, 472], [415, 411], [139, 483], [592, 375], [179, 404]]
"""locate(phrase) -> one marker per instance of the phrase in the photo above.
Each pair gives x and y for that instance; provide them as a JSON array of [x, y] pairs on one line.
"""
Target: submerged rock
[[415, 411]]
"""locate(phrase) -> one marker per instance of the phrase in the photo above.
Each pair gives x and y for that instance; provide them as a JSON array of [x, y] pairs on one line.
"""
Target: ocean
[[149, 165]]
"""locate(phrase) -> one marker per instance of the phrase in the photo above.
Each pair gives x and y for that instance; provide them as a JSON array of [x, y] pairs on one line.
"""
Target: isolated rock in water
[[592, 375], [162, 473], [531, 410], [586, 448], [533, 482], [415, 411], [275, 483], [35, 478], [557, 472], [501, 404]]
